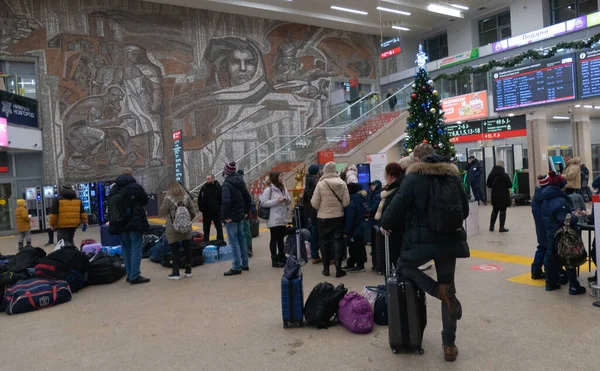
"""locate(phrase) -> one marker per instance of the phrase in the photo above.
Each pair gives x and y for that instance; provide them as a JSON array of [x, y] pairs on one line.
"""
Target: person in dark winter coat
[[130, 232], [555, 208], [354, 216], [475, 170], [309, 189], [372, 204], [420, 244], [540, 230], [209, 204], [500, 184], [235, 206], [591, 220], [394, 174], [247, 227]]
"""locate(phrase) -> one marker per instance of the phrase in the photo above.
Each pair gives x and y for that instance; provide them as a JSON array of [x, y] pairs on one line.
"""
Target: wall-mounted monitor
[[539, 83], [588, 73]]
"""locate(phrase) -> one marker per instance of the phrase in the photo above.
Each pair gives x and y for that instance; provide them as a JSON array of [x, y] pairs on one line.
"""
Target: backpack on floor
[[356, 314], [156, 252], [28, 257], [105, 269], [86, 242], [182, 222], [35, 294], [444, 212], [570, 246], [323, 304], [149, 240]]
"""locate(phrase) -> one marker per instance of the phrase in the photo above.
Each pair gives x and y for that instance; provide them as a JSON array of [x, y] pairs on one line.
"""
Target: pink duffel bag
[[356, 314]]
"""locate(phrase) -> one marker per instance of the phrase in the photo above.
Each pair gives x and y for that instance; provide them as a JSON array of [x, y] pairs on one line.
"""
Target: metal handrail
[[309, 131], [269, 140]]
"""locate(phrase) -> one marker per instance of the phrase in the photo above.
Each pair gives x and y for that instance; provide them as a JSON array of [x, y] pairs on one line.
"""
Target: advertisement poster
[[3, 132], [378, 163], [18, 110], [466, 107], [459, 58]]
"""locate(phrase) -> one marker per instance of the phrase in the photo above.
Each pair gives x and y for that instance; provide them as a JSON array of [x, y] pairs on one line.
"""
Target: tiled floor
[[211, 322]]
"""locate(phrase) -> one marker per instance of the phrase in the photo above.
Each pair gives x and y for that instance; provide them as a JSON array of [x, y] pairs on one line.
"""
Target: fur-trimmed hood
[[434, 165]]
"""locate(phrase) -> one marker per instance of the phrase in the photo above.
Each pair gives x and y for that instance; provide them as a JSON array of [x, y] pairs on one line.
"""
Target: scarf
[[390, 189]]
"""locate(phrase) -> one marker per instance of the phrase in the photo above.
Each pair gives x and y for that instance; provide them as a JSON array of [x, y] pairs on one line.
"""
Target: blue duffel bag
[[35, 294]]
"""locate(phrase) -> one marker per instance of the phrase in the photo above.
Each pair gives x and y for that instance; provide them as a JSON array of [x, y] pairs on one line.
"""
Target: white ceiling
[[318, 13]]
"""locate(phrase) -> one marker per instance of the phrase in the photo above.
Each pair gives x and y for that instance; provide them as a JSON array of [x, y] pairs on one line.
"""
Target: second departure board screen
[[538, 83], [588, 71]]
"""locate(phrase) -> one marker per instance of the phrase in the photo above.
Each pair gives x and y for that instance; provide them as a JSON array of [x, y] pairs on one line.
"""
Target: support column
[[537, 148], [582, 141]]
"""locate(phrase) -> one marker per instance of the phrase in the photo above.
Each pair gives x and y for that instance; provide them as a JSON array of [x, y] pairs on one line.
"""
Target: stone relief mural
[[119, 76]]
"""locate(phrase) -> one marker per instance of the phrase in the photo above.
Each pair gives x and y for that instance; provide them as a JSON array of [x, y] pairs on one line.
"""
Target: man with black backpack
[[127, 218], [432, 205]]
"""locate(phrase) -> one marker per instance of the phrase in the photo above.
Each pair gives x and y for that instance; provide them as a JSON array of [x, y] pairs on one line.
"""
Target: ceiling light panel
[[401, 12], [400, 28], [435, 8], [334, 7], [458, 6]]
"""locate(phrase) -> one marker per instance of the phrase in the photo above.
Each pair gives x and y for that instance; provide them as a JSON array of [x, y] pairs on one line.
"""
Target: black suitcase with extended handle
[[407, 309]]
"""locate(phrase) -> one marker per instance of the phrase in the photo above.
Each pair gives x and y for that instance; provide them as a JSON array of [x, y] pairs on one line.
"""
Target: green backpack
[[570, 245]]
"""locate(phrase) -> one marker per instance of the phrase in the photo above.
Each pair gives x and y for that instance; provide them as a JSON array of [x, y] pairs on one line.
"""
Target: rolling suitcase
[[378, 250], [407, 309], [292, 294]]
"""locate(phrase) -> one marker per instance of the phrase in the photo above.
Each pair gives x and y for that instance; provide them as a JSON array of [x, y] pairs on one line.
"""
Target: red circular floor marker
[[487, 268]]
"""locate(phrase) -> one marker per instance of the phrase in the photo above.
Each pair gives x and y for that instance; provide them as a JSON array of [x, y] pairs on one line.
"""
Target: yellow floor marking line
[[7, 237], [506, 258], [525, 279]]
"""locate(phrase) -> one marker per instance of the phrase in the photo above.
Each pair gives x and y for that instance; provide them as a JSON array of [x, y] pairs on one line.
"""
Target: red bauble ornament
[[424, 87], [413, 96], [425, 141]]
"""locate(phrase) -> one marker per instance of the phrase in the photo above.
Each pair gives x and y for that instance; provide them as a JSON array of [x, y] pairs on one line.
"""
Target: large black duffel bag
[[105, 269]]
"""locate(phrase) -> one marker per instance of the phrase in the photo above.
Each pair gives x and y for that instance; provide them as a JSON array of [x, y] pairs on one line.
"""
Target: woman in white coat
[[277, 199]]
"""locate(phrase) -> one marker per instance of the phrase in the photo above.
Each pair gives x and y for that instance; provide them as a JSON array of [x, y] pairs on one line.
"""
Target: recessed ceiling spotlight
[[577, 105], [511, 115], [401, 28], [349, 10], [392, 10]]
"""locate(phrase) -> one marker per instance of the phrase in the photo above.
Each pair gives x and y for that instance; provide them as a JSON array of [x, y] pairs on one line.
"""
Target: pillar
[[537, 148], [582, 141]]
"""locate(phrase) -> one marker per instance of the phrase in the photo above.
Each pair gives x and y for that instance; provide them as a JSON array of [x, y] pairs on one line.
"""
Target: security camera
[[570, 110]]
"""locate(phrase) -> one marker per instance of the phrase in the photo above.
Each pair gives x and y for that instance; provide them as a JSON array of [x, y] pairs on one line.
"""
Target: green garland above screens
[[530, 54]]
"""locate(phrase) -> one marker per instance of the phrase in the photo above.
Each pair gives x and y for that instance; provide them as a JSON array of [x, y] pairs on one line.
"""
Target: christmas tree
[[425, 123]]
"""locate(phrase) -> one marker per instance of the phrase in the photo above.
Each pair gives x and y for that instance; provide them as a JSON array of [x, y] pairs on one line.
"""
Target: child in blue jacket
[[354, 229]]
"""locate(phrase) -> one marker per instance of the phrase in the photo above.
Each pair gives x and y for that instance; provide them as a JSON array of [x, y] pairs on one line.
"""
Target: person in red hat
[[555, 208]]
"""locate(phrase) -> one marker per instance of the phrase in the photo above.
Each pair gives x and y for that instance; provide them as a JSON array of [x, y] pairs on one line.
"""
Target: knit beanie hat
[[229, 169], [405, 162], [66, 187], [354, 188], [330, 168], [313, 169], [556, 180], [543, 180]]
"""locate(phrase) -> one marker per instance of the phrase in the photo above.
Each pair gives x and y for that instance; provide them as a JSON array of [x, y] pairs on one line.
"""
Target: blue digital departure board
[[538, 83], [588, 72]]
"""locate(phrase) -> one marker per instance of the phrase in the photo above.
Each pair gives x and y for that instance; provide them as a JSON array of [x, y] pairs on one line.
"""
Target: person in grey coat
[[176, 195], [277, 199]]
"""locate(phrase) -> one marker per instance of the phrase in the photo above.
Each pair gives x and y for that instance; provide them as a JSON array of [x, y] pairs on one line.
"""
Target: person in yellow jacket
[[67, 214], [23, 223]]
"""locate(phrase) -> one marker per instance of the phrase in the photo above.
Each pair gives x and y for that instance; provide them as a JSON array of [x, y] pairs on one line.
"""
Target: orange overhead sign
[[466, 107]]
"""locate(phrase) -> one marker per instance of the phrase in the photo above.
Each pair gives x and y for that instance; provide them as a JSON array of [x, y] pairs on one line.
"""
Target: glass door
[[506, 155], [7, 206]]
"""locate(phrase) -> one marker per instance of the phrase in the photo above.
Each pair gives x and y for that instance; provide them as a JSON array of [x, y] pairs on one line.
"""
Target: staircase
[[353, 139]]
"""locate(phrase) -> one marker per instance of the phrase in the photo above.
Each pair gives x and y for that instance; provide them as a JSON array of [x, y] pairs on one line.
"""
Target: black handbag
[[264, 212]]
